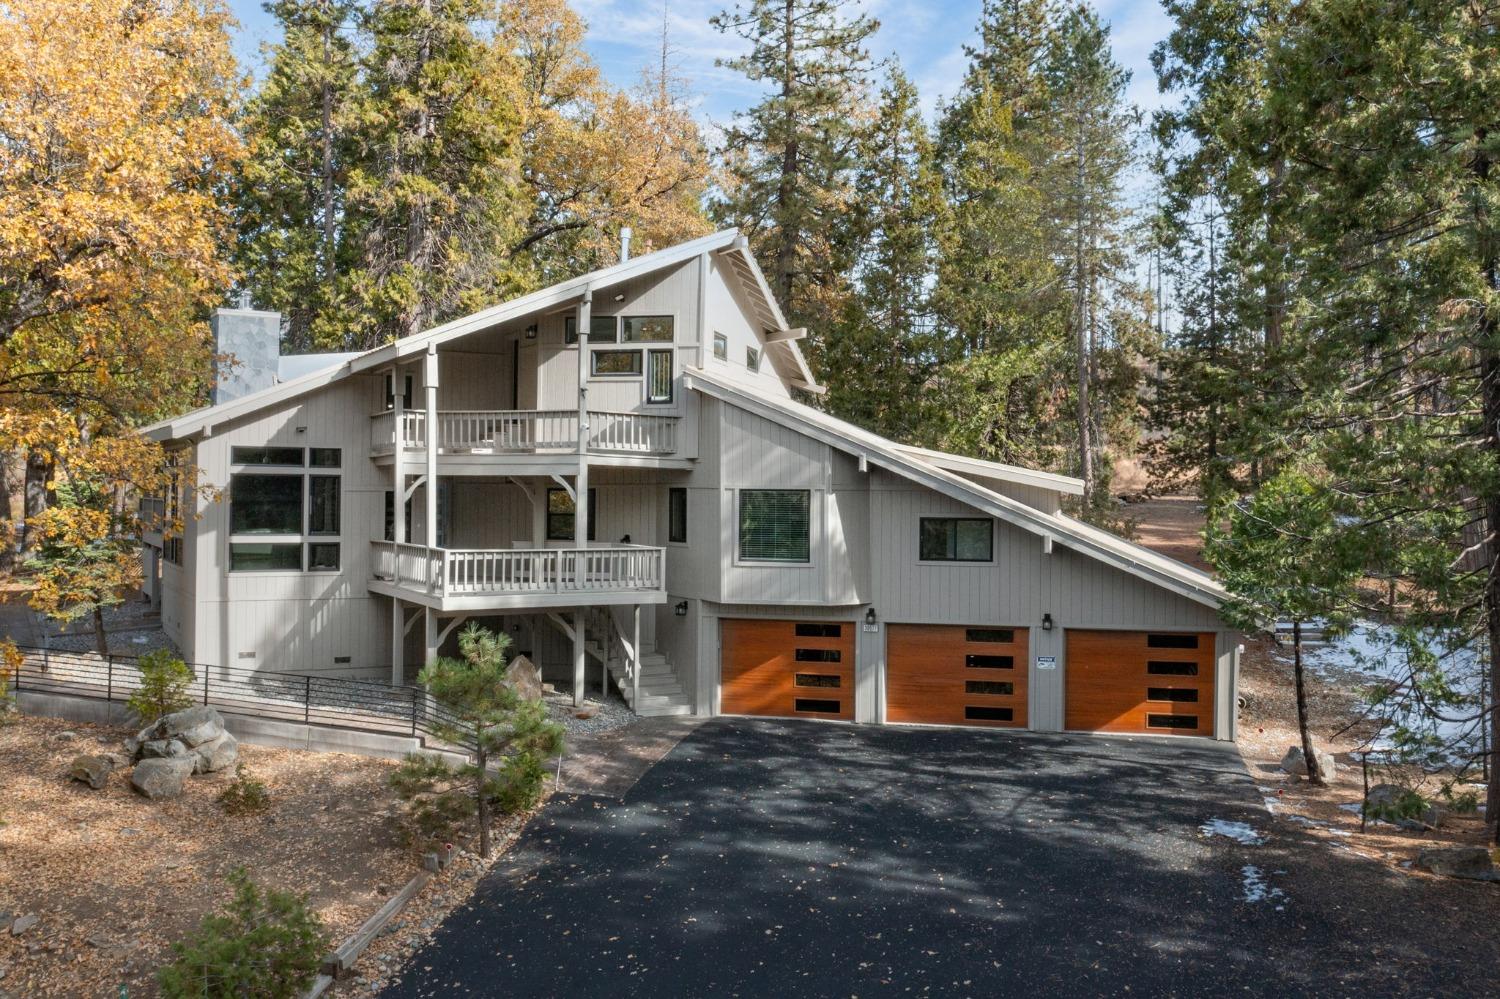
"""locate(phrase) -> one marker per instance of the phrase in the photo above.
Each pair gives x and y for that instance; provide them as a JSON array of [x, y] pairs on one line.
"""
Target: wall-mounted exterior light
[[870, 617], [1046, 622], [680, 609]]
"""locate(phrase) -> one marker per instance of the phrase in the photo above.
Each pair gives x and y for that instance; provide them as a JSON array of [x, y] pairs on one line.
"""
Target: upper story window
[[646, 329], [562, 515], [775, 525], [285, 515], [616, 362], [721, 346], [752, 358], [957, 539], [677, 515], [602, 329]]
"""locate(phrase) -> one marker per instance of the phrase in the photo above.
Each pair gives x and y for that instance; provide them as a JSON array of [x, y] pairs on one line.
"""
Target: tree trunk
[[1489, 372], [101, 640], [37, 495], [328, 227], [1314, 772], [1081, 320], [482, 759]]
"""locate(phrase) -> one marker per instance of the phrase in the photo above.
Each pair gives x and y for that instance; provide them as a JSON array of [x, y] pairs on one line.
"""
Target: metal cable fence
[[335, 702]]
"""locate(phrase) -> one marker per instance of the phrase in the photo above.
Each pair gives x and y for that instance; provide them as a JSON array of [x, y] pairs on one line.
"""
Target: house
[[682, 526]]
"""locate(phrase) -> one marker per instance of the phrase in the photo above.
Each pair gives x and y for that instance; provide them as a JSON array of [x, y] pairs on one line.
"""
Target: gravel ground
[[132, 628], [611, 714]]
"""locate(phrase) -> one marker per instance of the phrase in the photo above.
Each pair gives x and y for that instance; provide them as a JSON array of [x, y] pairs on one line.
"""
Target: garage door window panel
[[1160, 667], [1182, 695], [1170, 641], [818, 680], [819, 656], [997, 688], [973, 661], [1177, 722], [982, 712]]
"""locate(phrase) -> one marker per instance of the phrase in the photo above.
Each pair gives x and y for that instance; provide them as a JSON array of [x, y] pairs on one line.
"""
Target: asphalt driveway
[[795, 858]]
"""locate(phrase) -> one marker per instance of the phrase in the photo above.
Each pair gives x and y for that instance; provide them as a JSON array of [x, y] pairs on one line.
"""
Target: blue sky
[[928, 39]]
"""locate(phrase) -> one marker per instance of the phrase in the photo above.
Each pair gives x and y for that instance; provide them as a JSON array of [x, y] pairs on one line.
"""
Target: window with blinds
[[775, 525]]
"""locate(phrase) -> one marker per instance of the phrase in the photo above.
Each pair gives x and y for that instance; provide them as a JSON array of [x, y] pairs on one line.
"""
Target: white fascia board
[[965, 465], [1117, 552]]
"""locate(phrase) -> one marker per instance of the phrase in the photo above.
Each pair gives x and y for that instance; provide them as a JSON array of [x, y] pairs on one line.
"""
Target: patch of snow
[[1257, 889], [1353, 806], [1272, 804], [1372, 655], [1240, 832]]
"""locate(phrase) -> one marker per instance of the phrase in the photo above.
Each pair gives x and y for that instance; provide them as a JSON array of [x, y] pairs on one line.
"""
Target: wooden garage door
[[947, 675], [1160, 683], [791, 669]]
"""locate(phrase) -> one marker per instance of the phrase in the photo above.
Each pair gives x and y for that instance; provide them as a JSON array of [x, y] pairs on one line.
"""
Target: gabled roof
[[874, 449], [727, 242]]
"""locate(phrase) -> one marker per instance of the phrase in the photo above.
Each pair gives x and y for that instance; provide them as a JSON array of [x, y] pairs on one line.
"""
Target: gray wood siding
[[294, 620]]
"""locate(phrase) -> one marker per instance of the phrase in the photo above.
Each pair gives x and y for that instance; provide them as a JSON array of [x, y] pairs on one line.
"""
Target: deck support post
[[635, 667], [581, 485], [578, 657], [430, 381], [431, 633], [398, 641], [398, 453]]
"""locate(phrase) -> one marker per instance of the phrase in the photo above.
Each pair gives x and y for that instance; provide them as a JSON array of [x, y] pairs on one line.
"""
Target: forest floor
[[1358, 861], [115, 879]]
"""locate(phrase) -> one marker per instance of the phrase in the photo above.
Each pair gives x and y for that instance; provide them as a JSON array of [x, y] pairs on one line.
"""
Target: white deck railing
[[519, 571], [469, 431]]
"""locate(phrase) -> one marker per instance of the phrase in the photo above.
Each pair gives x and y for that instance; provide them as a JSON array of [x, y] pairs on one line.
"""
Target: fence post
[[109, 679], [307, 698]]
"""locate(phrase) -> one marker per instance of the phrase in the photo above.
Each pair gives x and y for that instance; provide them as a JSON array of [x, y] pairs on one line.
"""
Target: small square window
[[323, 556], [325, 457], [721, 346], [602, 329], [775, 525], [752, 358]]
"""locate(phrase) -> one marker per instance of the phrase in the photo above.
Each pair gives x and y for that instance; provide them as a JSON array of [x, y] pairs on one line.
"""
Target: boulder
[[1475, 863], [24, 923], [1384, 795], [92, 770], [162, 777], [193, 726], [153, 749], [525, 678], [1293, 763], [216, 754]]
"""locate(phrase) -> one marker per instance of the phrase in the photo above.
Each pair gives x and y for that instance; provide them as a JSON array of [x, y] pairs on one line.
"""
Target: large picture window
[[956, 539], [562, 515], [775, 525], [283, 517]]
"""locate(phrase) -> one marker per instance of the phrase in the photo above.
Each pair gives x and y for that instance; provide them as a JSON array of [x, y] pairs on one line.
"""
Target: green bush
[[266, 944], [1408, 805], [1461, 802], [519, 786], [165, 687], [245, 795]]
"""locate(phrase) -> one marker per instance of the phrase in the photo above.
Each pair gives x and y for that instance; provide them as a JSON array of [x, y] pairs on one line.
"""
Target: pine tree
[[436, 183], [882, 351], [1199, 389], [1093, 138], [294, 237], [791, 158]]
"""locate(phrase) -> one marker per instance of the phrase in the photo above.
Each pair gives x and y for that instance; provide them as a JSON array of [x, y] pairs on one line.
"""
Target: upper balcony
[[527, 432], [454, 579]]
